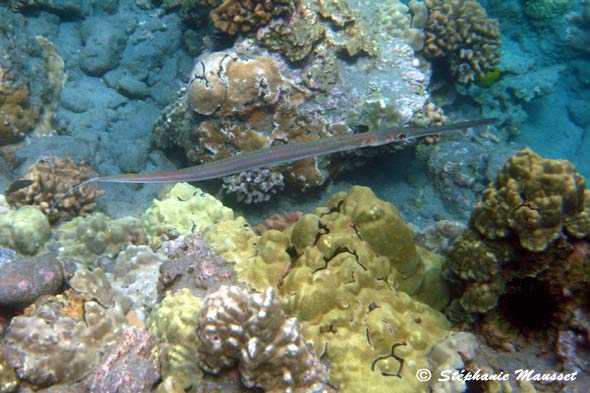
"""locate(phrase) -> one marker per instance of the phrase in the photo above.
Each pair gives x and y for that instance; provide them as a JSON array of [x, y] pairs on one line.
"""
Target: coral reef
[[461, 33], [546, 9], [25, 230], [244, 16], [527, 244], [16, 116], [8, 381], [174, 320], [254, 186], [50, 179], [294, 81], [252, 329], [332, 278], [183, 210], [68, 329], [87, 238]]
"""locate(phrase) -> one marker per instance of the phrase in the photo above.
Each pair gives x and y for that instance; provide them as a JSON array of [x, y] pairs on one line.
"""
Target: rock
[[104, 43], [24, 280]]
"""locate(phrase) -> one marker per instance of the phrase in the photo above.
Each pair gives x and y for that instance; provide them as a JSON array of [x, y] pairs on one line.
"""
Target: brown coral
[[243, 16], [536, 200], [49, 180], [524, 260], [461, 32], [252, 328], [16, 117]]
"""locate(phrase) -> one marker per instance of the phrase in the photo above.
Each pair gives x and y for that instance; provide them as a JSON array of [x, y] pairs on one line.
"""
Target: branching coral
[[254, 186], [461, 32], [235, 325], [51, 178], [244, 16]]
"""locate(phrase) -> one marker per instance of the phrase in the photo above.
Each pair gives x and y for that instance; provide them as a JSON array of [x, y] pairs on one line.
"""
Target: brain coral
[[50, 179], [461, 32], [526, 256]]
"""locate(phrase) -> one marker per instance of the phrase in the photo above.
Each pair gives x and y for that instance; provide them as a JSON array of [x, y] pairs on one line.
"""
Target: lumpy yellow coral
[[184, 210], [174, 321]]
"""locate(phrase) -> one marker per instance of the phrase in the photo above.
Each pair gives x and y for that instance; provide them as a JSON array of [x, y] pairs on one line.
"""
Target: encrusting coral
[[59, 339], [50, 179], [254, 186], [525, 257], [460, 32], [252, 329]]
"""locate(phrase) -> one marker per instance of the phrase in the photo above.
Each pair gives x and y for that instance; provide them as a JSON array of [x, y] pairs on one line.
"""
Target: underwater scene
[[294, 196]]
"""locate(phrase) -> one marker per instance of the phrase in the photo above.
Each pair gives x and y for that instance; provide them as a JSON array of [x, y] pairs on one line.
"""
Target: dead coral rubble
[[51, 178], [461, 32], [235, 325]]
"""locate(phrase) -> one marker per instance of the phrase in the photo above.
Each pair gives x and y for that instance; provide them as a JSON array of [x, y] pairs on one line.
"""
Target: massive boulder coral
[[184, 210], [87, 238], [252, 329], [535, 200], [48, 180], [460, 32], [25, 230], [174, 320], [525, 258]]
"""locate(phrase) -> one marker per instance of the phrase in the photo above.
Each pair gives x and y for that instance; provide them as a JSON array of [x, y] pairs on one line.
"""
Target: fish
[[282, 154], [17, 185]]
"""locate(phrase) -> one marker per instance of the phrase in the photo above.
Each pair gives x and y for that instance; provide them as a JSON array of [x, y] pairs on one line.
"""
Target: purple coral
[[254, 186]]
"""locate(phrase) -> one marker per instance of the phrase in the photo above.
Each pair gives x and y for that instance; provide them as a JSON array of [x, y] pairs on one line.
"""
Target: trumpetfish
[[278, 155]]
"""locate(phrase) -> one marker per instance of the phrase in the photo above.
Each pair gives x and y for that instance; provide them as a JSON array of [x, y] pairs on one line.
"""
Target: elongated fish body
[[278, 155]]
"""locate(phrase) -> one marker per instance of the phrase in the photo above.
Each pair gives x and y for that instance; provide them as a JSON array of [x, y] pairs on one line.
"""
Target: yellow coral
[[184, 210], [174, 321]]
